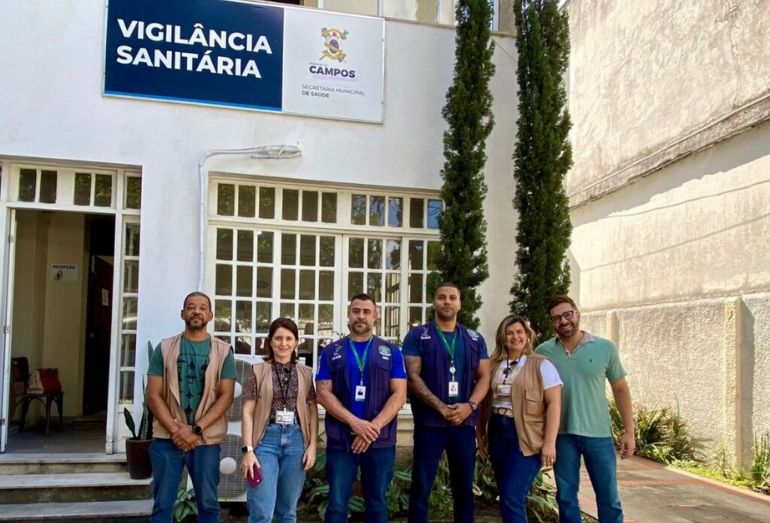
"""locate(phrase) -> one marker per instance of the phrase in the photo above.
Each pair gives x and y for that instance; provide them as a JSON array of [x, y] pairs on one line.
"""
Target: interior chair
[[19, 395]]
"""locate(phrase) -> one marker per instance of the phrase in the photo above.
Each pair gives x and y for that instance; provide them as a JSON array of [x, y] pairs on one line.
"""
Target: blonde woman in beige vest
[[280, 427], [520, 415]]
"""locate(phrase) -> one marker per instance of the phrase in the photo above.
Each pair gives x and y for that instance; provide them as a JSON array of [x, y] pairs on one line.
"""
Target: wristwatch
[[247, 448], [473, 404], [197, 430]]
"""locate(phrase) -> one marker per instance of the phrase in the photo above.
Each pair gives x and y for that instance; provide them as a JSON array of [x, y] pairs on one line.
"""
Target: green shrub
[[661, 434], [315, 495], [760, 464], [185, 505]]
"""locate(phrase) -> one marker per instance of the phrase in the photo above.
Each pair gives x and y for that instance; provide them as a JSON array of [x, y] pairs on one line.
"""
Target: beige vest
[[170, 351], [263, 372], [528, 405]]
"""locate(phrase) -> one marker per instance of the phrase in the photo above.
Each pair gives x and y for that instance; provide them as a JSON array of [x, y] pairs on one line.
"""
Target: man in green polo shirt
[[190, 386], [585, 363]]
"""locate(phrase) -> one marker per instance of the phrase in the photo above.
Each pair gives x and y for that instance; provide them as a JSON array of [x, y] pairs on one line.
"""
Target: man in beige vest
[[190, 385]]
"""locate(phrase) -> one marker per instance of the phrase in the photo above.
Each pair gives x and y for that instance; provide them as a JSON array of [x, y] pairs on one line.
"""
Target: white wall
[[52, 107]]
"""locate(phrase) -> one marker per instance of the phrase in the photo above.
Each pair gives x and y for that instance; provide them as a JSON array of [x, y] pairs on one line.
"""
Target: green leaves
[[185, 504], [468, 112], [542, 157], [129, 418]]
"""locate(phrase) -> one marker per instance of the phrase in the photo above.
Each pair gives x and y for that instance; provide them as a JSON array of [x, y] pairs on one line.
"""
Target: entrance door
[[7, 334], [99, 314]]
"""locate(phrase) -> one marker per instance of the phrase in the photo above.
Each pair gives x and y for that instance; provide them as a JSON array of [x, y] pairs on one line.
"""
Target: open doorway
[[61, 318]]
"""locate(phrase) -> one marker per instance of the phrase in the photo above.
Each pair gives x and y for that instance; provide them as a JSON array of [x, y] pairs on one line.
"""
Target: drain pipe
[[267, 152]]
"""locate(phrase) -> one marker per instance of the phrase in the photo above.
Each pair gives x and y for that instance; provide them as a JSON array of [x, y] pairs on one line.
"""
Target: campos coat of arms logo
[[332, 39]]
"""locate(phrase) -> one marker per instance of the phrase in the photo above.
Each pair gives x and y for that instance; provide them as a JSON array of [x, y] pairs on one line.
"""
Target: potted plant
[[138, 445]]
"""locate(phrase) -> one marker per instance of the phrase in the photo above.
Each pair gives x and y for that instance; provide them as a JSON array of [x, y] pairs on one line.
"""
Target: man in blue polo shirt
[[449, 375], [361, 382], [585, 363]]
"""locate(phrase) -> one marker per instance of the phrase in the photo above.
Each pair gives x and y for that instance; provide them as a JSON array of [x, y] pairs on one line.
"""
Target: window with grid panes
[[303, 252]]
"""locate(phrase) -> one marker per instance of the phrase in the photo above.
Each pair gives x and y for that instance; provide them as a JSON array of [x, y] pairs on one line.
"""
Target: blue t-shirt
[[411, 347], [397, 371]]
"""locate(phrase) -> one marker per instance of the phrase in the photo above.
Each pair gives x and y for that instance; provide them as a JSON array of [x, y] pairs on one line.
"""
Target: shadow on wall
[[745, 349], [723, 157]]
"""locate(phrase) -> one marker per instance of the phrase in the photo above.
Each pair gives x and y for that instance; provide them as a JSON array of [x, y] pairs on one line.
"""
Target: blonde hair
[[500, 351]]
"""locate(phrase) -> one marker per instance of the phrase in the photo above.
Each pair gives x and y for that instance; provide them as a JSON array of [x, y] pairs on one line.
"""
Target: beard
[[360, 328], [566, 331], [195, 323]]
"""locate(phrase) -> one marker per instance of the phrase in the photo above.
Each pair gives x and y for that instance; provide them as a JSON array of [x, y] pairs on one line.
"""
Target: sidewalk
[[653, 493]]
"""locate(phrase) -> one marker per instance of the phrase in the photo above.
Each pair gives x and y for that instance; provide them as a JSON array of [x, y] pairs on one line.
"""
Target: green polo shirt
[[584, 410]]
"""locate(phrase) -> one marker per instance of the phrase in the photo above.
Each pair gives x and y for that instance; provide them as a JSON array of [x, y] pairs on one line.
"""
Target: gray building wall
[[670, 196]]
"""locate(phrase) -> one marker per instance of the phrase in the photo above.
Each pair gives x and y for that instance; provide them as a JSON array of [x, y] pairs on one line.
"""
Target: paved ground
[[652, 493]]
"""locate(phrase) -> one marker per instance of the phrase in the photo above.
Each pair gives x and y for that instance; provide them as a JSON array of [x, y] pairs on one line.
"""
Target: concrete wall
[[670, 195], [651, 81]]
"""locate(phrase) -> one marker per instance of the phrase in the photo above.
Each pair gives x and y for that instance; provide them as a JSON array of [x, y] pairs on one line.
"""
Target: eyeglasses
[[568, 315]]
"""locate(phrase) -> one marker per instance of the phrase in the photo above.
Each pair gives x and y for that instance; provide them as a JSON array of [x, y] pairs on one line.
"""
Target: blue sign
[[207, 51]]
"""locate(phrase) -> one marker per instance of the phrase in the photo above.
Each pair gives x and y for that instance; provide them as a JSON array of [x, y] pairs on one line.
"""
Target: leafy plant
[[440, 501], [661, 434], [145, 424], [760, 464], [541, 501], [398, 493], [315, 492], [185, 504]]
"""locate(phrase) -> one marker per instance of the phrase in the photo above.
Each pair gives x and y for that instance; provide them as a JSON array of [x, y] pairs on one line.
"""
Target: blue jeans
[[599, 457], [429, 444], [514, 471], [280, 456], [376, 473], [202, 465]]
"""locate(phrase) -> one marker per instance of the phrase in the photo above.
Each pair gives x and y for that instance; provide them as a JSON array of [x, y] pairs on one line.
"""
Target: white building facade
[[117, 207]]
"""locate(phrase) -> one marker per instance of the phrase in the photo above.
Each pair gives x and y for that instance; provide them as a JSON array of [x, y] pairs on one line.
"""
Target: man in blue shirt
[[449, 375], [361, 382]]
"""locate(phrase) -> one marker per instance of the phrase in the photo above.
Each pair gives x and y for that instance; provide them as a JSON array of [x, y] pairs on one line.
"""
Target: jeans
[[599, 457], [203, 466], [376, 473], [429, 444], [514, 472], [283, 475]]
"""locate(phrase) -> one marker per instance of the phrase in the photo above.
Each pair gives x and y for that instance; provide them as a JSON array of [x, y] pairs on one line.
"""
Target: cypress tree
[[542, 157], [468, 113]]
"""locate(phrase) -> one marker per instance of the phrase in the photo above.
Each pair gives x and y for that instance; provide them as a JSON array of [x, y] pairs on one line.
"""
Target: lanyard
[[450, 347], [360, 360], [507, 370], [284, 384]]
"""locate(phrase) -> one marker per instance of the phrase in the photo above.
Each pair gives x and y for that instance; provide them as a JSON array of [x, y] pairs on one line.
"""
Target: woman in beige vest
[[280, 427], [520, 415]]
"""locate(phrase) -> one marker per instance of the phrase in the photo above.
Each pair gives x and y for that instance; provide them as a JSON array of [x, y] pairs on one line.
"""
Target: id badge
[[284, 417], [504, 389], [360, 393], [454, 389]]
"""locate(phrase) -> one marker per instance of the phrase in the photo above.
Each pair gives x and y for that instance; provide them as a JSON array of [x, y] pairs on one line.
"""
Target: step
[[96, 511], [16, 464], [59, 488]]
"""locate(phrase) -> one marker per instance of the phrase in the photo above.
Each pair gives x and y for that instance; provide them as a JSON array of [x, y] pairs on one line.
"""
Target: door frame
[[122, 215]]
